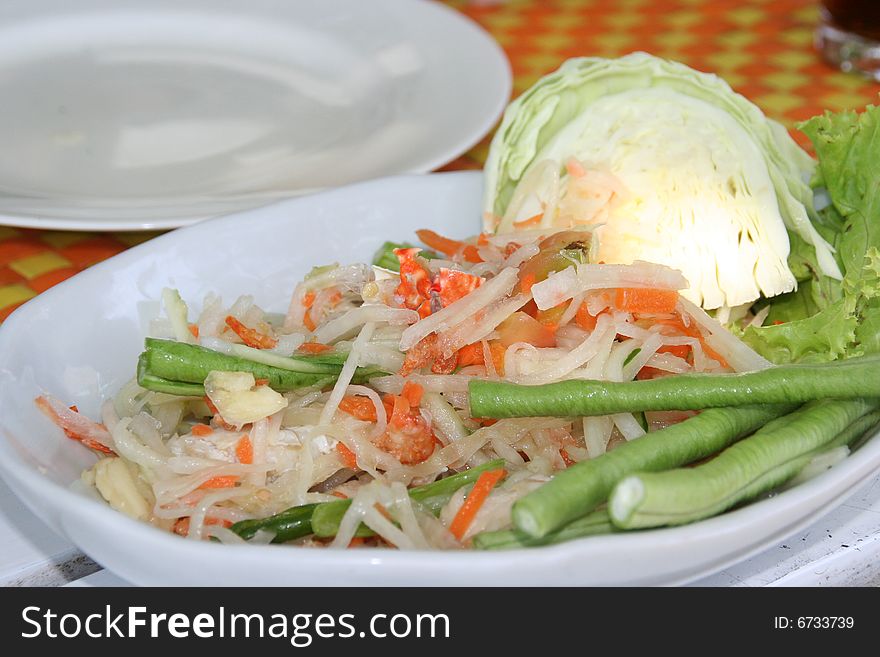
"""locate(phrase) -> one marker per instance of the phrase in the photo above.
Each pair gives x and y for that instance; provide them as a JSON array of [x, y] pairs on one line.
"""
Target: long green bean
[[288, 525], [847, 379], [755, 465], [177, 368], [592, 524], [583, 486], [326, 519]]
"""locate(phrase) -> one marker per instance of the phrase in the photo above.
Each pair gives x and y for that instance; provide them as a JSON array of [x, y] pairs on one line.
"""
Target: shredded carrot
[[308, 322], [210, 405], [648, 372], [348, 457], [388, 404], [497, 350], [566, 458], [251, 337], [201, 430], [194, 330], [217, 419], [448, 246], [340, 495], [483, 486], [44, 405], [510, 248], [308, 299], [244, 450], [584, 319], [526, 282], [357, 541], [644, 300], [381, 509], [470, 354], [483, 239], [223, 481], [680, 350], [334, 299], [359, 406], [313, 348], [677, 324], [693, 331], [412, 392], [88, 442], [711, 353], [399, 411], [531, 221]]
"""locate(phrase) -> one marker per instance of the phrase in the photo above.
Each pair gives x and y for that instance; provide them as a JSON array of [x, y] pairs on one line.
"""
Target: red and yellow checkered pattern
[[763, 48]]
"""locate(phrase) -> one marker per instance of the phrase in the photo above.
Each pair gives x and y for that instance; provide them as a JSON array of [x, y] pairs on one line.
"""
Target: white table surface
[[841, 549]]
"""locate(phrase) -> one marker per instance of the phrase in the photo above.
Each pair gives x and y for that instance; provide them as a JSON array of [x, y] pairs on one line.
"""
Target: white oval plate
[[125, 115], [80, 340]]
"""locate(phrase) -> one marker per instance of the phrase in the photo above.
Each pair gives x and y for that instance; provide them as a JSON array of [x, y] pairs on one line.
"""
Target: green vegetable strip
[[861, 428], [326, 519], [755, 465], [288, 525], [590, 525], [158, 384], [848, 379], [166, 366], [582, 487], [184, 355]]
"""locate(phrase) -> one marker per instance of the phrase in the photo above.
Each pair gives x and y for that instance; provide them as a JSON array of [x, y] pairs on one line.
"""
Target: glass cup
[[849, 35]]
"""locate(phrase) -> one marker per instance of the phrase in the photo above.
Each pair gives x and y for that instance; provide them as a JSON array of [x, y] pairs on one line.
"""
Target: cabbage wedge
[[668, 165]]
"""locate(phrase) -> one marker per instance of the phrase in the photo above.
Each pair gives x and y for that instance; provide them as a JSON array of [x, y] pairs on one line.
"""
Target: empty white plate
[[123, 115]]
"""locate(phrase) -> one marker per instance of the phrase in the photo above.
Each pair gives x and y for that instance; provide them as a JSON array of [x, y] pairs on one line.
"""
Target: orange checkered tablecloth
[[763, 48]]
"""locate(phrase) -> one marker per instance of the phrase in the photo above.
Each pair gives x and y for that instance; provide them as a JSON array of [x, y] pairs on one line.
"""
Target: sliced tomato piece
[[550, 258], [520, 327]]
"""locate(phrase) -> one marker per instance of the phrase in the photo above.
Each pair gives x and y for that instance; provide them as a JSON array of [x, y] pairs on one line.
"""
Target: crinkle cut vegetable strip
[[475, 499]]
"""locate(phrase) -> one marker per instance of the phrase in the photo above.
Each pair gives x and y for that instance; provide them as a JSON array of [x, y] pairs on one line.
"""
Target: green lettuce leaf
[[826, 319]]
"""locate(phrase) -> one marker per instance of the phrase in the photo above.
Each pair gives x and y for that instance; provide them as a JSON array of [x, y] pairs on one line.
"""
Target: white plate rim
[[493, 58]]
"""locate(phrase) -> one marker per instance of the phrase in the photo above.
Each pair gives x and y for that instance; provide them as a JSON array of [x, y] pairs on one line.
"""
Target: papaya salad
[[671, 310]]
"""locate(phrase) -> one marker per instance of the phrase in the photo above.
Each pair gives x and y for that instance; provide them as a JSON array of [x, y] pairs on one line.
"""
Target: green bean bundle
[[755, 465], [592, 524], [583, 486], [288, 525]]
